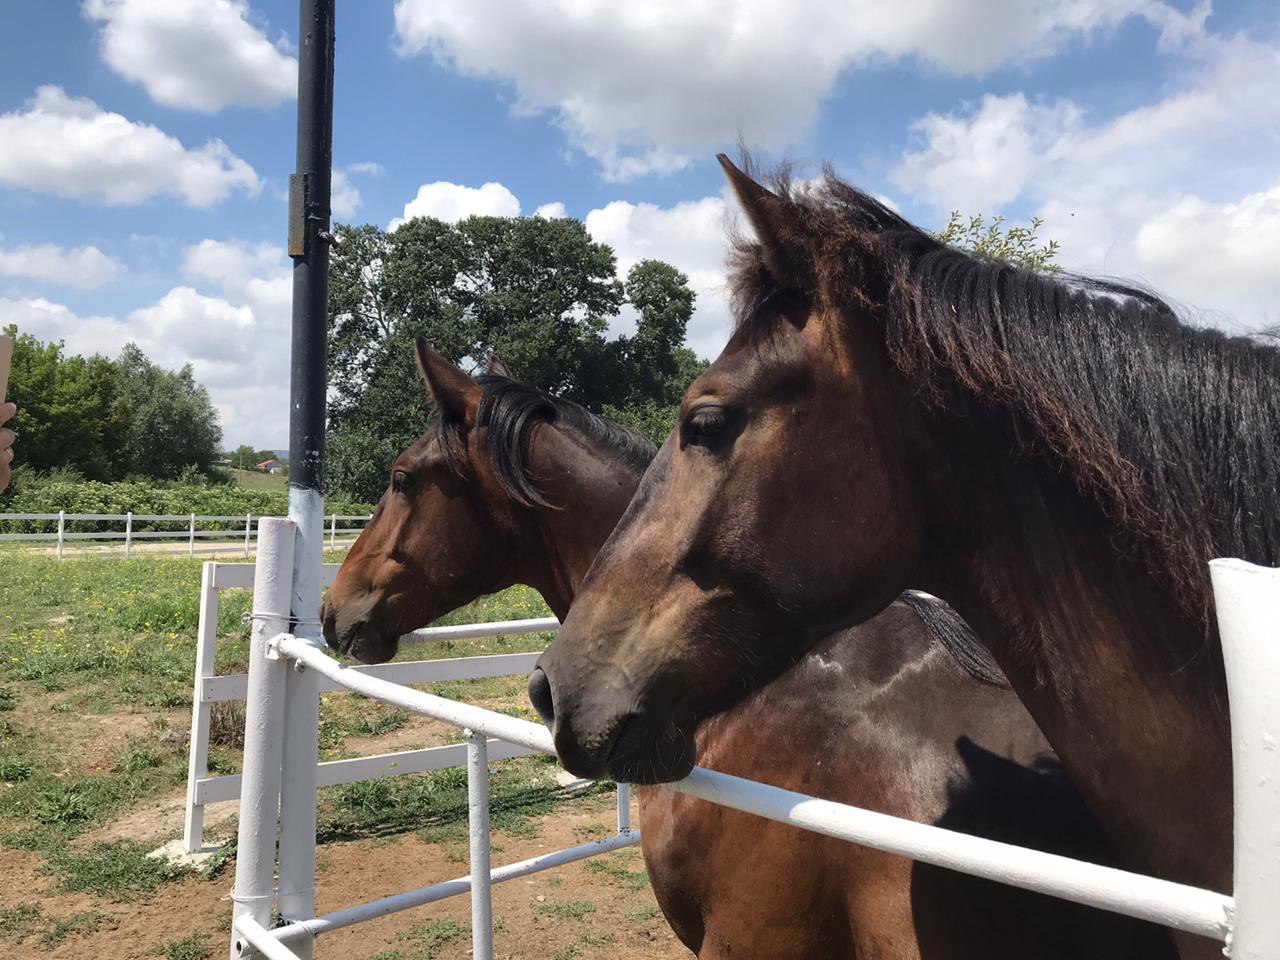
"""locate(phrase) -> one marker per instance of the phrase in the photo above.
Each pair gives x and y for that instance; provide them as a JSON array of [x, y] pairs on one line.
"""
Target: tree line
[[108, 419]]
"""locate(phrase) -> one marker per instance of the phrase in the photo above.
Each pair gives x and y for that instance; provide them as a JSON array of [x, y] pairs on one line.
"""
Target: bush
[[49, 495]]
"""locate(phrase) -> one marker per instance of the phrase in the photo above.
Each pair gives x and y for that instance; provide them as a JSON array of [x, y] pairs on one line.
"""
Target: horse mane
[[1173, 430], [509, 410], [956, 636]]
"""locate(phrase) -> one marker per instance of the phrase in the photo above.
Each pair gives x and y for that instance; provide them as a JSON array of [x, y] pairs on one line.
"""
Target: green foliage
[[434, 934], [653, 421], [108, 419], [538, 293], [1021, 246]]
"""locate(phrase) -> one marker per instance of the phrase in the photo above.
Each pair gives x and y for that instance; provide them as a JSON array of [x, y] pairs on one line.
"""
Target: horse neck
[[589, 488], [1128, 689]]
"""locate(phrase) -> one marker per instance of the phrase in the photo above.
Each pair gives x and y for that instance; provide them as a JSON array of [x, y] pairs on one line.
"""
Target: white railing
[[191, 533], [209, 688], [1249, 602]]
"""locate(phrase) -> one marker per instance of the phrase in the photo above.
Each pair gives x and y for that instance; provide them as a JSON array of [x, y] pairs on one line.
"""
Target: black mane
[[1174, 430], [510, 409]]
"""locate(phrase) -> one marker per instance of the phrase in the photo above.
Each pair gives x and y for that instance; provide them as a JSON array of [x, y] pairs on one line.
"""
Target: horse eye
[[401, 481], [704, 424]]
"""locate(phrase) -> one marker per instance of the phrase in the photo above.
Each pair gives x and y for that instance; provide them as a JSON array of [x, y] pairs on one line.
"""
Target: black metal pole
[[309, 245]]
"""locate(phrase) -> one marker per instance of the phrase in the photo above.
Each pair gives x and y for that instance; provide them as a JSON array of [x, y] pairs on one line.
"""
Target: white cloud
[[689, 236], [552, 211], [344, 196], [452, 202], [201, 55], [1178, 193], [82, 267], [71, 147], [367, 168], [237, 342], [640, 86]]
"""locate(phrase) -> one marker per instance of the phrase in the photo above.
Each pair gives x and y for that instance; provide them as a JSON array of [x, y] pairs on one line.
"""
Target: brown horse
[[1055, 456], [515, 486]]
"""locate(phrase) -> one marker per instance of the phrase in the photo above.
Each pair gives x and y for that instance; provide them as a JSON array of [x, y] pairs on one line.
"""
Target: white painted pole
[[198, 755], [264, 716], [449, 888], [624, 808], [128, 533], [1248, 603], [302, 721], [478, 818], [248, 529], [191, 538], [62, 526]]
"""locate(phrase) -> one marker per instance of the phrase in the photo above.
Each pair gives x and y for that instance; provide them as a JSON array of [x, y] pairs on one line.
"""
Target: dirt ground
[[568, 912]]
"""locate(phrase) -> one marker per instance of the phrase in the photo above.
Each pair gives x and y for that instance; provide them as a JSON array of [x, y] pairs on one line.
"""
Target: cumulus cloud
[[202, 55], [689, 236], [552, 211], [71, 147], [81, 267], [638, 87], [1115, 191], [344, 196], [234, 332], [452, 202]]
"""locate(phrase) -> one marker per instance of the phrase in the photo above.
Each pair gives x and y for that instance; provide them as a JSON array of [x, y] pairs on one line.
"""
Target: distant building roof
[[266, 464]]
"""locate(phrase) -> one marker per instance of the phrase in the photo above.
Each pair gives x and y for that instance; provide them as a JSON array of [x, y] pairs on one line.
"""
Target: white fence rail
[[1249, 601], [191, 532], [210, 688]]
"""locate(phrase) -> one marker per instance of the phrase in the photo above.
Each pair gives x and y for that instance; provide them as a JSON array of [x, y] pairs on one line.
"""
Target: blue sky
[[145, 145]]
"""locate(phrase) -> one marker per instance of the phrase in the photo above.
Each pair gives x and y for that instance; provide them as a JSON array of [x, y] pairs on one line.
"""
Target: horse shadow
[[1032, 806]]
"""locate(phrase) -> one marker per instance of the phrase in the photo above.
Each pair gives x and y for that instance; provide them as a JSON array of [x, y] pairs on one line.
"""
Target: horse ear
[[455, 393], [498, 368], [771, 217]]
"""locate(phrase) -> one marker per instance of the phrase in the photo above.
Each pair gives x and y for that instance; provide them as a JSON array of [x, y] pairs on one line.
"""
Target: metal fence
[[209, 688], [1249, 611], [187, 526]]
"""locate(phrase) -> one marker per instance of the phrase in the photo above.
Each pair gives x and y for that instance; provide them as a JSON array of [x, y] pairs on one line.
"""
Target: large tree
[[539, 293]]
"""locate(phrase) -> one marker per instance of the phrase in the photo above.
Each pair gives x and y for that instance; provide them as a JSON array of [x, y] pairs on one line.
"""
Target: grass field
[[96, 657], [257, 480]]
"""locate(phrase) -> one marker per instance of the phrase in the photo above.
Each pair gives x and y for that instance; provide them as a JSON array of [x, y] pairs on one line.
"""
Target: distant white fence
[[190, 532], [210, 688]]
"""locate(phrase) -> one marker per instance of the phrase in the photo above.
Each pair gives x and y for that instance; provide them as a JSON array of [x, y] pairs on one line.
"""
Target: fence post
[[1248, 604], [198, 750], [62, 526], [248, 528], [478, 816], [191, 538], [333, 530], [128, 533], [264, 716]]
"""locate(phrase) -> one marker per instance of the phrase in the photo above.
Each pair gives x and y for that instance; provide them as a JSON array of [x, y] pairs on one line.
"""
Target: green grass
[[569, 910], [194, 947], [256, 480], [26, 920], [617, 868], [428, 938], [118, 870]]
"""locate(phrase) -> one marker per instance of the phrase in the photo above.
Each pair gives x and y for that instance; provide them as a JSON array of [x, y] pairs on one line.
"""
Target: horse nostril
[[540, 694]]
